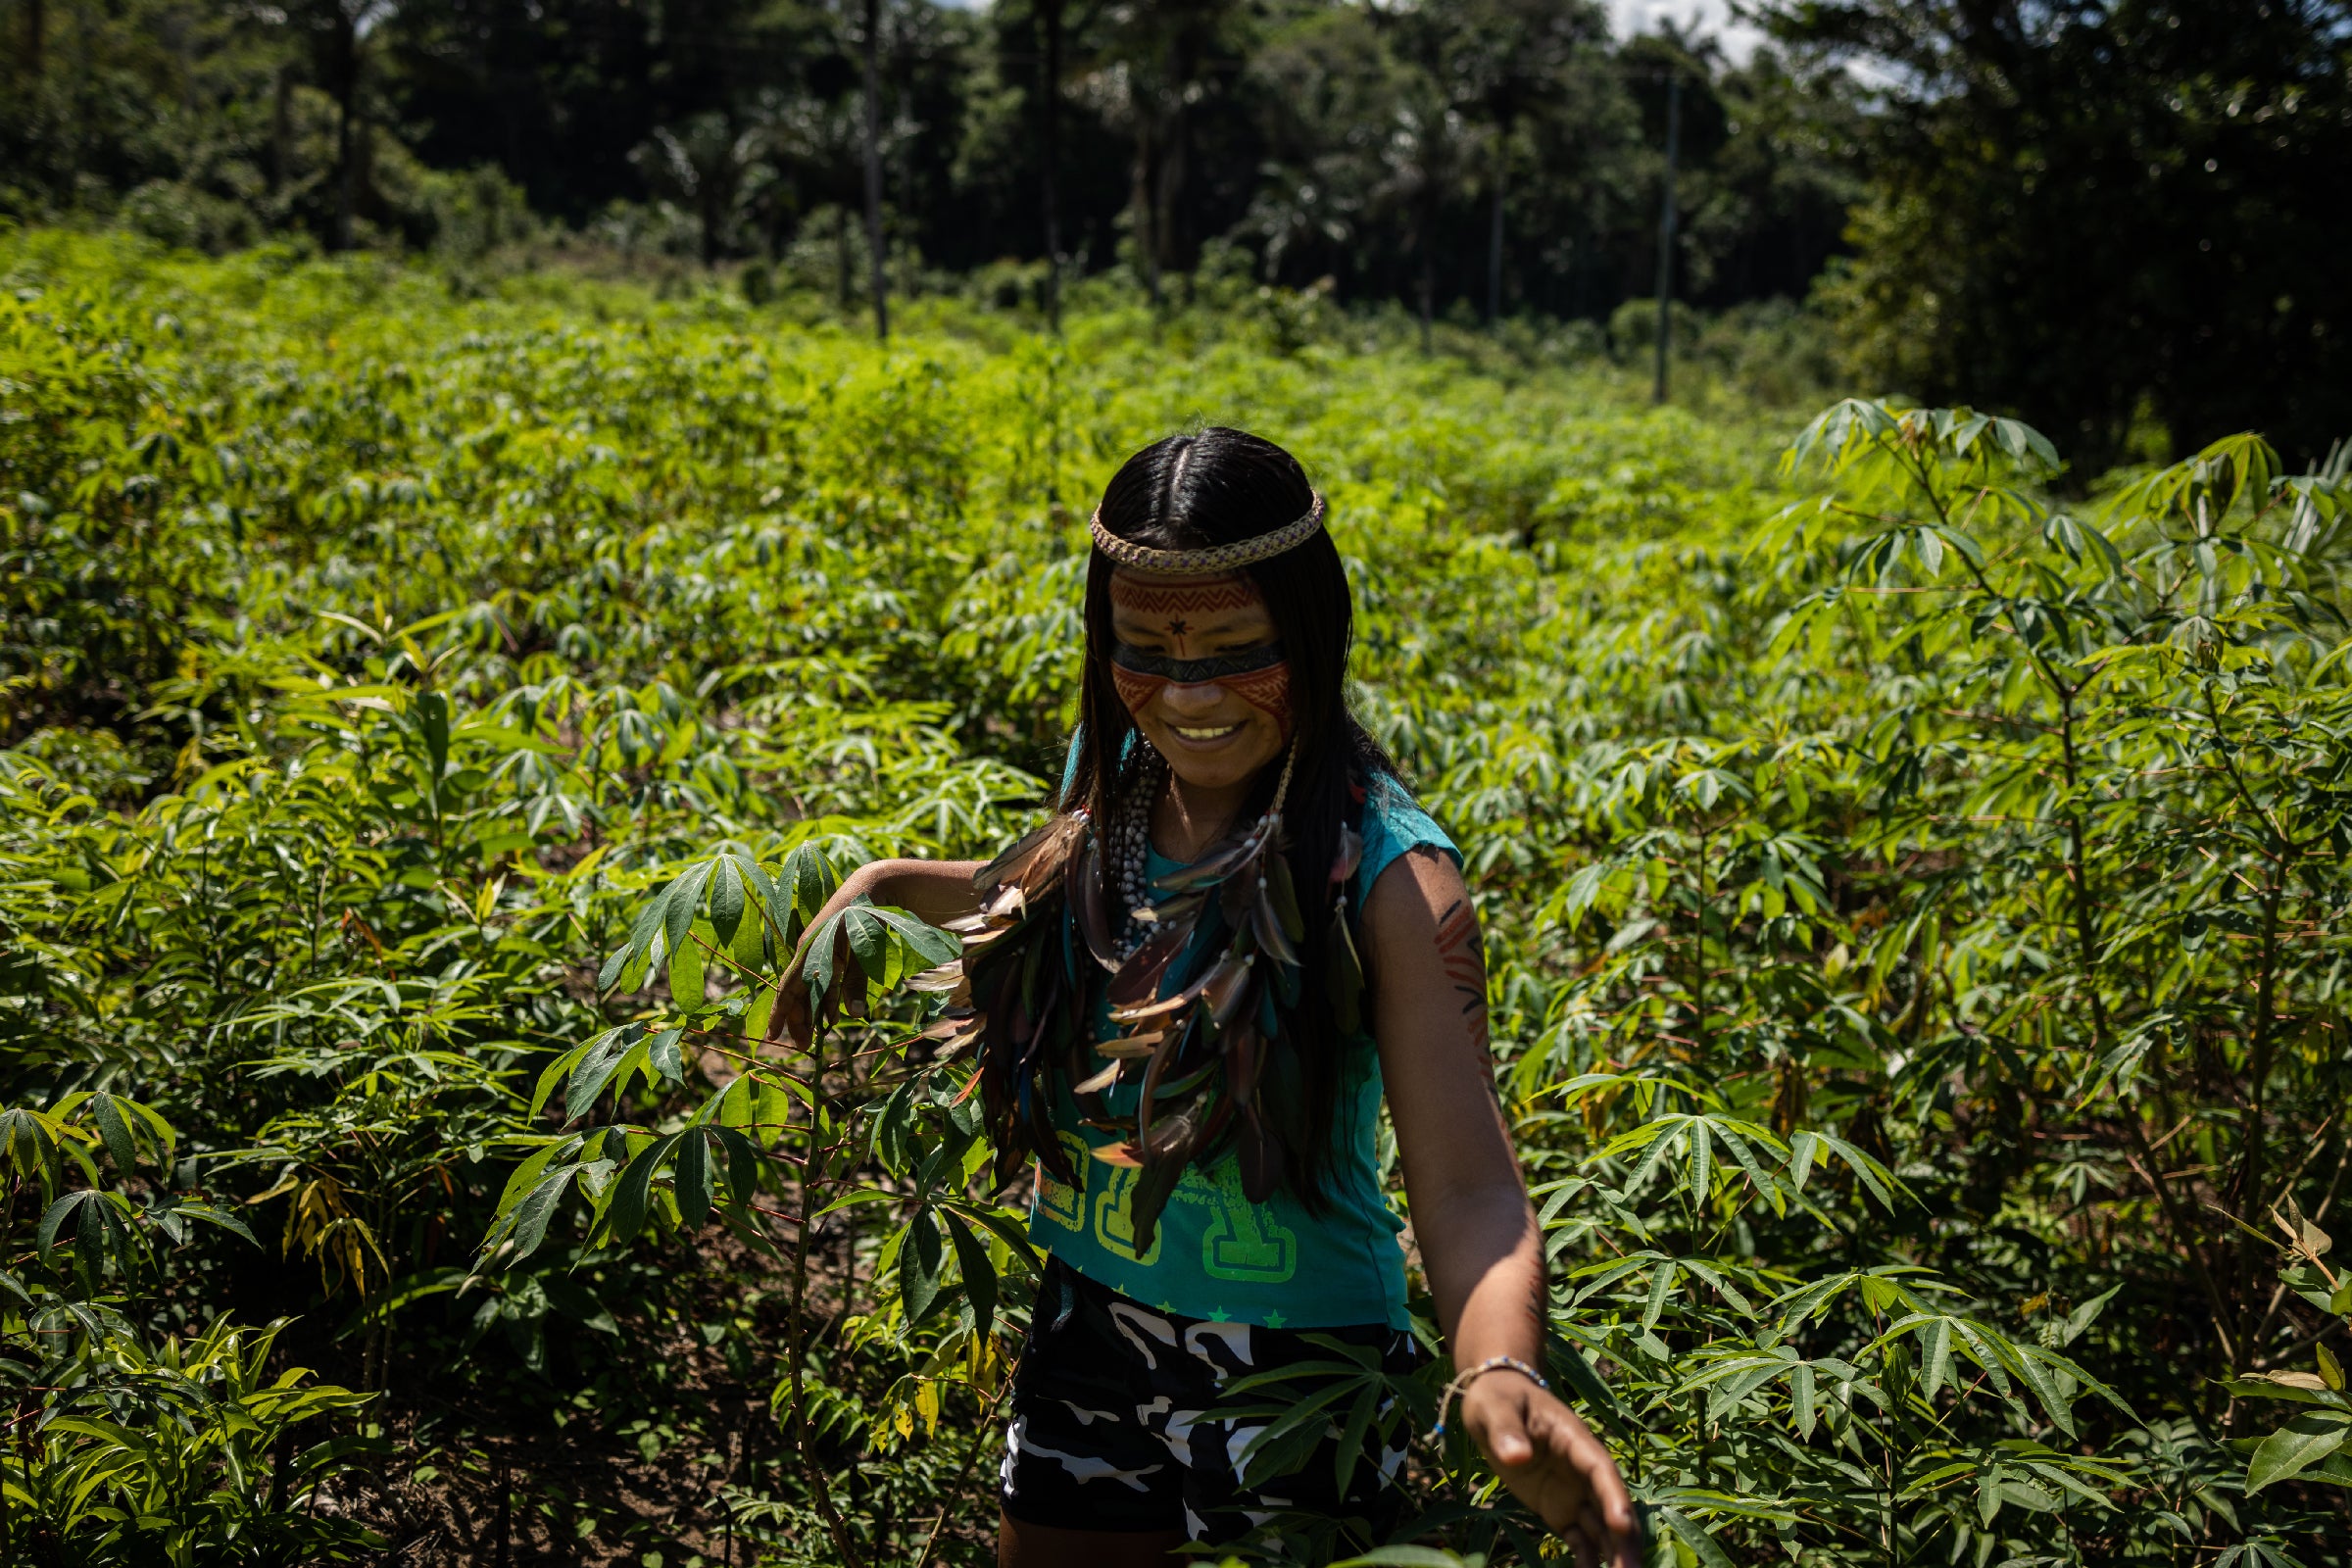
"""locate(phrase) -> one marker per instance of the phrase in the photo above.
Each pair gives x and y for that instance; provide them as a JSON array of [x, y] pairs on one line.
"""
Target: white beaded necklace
[[1130, 848]]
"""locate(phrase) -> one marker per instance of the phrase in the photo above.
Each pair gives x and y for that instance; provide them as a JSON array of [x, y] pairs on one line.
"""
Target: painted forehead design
[[1197, 596]]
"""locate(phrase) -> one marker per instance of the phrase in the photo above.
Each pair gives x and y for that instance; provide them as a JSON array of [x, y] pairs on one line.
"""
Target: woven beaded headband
[[1215, 558]]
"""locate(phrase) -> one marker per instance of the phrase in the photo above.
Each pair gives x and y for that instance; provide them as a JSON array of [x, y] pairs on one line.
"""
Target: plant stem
[[1698, 968], [798, 1341], [987, 1416], [2262, 1047]]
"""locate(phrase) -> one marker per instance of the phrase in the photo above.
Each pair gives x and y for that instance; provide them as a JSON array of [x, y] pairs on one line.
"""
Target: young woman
[[1190, 990]]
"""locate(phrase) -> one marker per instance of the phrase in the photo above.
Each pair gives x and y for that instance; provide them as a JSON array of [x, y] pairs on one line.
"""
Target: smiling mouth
[[1193, 732]]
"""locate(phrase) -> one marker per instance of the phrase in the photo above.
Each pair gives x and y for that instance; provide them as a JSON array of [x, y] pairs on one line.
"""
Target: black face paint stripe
[[1194, 671]]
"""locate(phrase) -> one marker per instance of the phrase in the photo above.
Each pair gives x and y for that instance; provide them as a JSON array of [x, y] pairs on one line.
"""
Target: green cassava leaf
[[920, 1260], [979, 1274], [2302, 1443], [693, 1178], [632, 1192]]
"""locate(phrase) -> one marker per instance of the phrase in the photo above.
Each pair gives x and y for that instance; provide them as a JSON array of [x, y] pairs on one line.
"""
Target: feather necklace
[[1200, 989]]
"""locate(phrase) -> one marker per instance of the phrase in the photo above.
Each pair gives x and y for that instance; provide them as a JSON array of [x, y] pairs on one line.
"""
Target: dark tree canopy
[[2122, 219], [1384, 147], [2100, 213]]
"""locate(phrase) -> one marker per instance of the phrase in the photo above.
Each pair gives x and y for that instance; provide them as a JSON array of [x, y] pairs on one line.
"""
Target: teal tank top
[[1216, 1254]]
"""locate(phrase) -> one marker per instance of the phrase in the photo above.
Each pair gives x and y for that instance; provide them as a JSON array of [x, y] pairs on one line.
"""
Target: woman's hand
[[1478, 1235], [936, 891], [1553, 1463], [793, 1025]]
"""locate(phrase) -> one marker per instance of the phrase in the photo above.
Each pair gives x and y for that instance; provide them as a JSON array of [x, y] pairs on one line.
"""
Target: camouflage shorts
[[1112, 1427]]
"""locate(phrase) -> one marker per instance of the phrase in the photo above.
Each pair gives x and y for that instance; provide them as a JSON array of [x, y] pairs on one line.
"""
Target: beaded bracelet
[[1462, 1379]]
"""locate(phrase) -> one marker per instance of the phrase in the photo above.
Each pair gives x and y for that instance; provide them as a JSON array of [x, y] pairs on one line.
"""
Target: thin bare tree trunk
[[347, 147], [808, 1191], [1666, 224], [1494, 247], [874, 171], [1146, 242], [281, 126], [1050, 98], [1170, 182], [1426, 243], [840, 254], [1429, 294]]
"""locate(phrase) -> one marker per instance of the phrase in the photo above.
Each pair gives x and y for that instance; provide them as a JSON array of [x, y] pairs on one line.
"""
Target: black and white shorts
[[1112, 1427]]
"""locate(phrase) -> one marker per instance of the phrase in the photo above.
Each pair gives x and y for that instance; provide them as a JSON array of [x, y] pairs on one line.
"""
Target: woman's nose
[[1199, 697]]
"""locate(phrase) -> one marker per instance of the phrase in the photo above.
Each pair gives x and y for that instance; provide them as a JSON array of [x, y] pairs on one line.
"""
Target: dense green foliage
[[1913, 912]]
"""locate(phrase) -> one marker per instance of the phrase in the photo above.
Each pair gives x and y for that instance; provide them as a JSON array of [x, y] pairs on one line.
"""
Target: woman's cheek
[[1137, 691], [1267, 690]]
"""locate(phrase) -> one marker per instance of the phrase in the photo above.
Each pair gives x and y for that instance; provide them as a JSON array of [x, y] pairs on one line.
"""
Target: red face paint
[[1258, 675], [1267, 690], [1136, 691]]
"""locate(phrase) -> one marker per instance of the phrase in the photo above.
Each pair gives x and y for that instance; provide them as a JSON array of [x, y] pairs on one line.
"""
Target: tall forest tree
[[2119, 219], [869, 44], [1050, 17], [2106, 216], [1162, 62], [1331, 89], [1501, 63]]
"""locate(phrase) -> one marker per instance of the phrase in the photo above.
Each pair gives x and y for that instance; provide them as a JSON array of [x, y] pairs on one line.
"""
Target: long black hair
[[1218, 486]]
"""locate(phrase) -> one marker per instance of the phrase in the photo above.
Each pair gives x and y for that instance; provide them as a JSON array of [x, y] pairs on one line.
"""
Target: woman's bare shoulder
[[1414, 896]]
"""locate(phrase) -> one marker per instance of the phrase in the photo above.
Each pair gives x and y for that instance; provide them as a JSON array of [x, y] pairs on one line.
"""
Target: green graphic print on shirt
[[1218, 1255], [1240, 1240]]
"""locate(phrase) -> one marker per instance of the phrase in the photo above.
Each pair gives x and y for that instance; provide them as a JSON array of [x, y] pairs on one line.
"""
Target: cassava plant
[[120, 1448], [785, 1153], [1960, 848]]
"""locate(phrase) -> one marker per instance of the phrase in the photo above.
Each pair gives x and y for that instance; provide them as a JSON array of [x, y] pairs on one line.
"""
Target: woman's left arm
[[1477, 1232]]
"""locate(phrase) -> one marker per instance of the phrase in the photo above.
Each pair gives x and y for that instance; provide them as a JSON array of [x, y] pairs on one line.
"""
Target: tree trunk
[[911, 264], [1426, 241], [840, 254], [346, 162], [1494, 246], [281, 126], [78, 90], [1049, 99], [1147, 244], [1429, 288], [1666, 224], [1170, 186], [79, 74], [362, 159], [874, 171]]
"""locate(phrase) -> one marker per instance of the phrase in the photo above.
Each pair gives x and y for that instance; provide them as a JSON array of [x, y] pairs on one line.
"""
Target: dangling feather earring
[[1347, 970]]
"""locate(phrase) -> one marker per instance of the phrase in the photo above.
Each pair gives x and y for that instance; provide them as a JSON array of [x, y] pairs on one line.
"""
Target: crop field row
[[1913, 875]]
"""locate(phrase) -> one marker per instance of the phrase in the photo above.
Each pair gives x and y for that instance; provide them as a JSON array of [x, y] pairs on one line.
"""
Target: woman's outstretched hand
[[1553, 1463], [937, 890], [791, 1024]]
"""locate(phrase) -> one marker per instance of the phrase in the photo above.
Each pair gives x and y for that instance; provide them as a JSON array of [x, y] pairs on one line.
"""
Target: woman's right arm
[[936, 891]]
